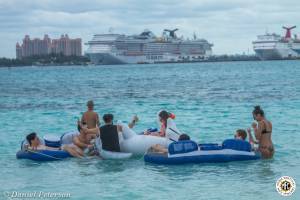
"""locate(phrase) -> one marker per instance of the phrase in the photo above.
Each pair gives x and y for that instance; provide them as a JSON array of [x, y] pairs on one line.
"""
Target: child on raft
[[240, 134]]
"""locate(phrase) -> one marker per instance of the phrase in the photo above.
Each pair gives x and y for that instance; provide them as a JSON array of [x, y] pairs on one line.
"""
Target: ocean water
[[210, 100]]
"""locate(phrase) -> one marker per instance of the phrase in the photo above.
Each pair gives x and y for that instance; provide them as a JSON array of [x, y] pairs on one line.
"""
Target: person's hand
[[85, 129], [254, 125]]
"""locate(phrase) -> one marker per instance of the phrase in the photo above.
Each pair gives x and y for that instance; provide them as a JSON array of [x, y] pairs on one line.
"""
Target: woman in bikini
[[263, 132]]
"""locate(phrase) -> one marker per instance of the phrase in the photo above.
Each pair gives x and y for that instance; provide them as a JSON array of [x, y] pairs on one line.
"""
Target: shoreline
[[19, 63]]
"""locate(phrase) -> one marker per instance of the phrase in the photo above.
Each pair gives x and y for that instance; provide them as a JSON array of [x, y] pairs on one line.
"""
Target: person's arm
[[51, 148], [97, 120], [160, 133], [134, 120], [83, 118], [92, 131], [80, 144]]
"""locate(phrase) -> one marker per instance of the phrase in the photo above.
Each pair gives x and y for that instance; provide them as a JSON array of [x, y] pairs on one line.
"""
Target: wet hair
[[90, 104], [164, 115], [79, 127], [257, 110], [30, 137], [107, 118], [242, 133], [184, 137]]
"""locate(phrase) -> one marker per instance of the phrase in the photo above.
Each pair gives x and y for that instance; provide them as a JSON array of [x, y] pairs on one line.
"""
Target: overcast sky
[[231, 25]]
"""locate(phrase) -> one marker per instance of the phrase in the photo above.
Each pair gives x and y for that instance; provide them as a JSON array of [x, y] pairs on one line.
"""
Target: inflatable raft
[[131, 142], [183, 152], [44, 155], [56, 142]]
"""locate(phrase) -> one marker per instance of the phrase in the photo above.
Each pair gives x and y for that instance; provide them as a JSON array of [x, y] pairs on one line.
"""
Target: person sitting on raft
[[163, 118], [161, 149], [262, 132], [109, 133], [90, 117], [83, 140], [35, 144]]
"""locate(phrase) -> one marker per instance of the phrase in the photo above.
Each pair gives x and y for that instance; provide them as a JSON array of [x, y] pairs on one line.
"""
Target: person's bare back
[[90, 118]]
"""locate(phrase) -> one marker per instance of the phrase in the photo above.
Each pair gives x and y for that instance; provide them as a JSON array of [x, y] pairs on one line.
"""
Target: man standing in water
[[90, 118]]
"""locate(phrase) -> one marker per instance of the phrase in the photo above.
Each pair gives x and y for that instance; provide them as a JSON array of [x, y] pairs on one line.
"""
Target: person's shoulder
[[95, 113], [85, 113]]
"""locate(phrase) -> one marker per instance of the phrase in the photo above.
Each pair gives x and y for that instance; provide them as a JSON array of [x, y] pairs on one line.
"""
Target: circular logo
[[285, 186]]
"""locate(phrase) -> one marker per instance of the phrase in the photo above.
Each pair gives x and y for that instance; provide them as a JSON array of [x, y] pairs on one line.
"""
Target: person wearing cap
[[90, 117]]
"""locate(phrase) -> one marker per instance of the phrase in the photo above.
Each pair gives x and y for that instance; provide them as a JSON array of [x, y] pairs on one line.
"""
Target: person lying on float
[[35, 144]]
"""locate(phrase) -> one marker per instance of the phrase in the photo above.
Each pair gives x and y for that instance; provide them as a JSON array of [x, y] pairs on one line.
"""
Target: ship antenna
[[111, 30]]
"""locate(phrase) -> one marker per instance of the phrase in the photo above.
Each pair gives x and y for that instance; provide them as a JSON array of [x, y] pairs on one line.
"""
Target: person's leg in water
[[76, 152]]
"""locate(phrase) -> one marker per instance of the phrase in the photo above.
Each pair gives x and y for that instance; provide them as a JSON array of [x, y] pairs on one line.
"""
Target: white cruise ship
[[274, 46], [146, 48]]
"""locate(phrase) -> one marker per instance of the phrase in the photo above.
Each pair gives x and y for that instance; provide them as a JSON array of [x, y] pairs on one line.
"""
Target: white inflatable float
[[109, 154], [131, 142]]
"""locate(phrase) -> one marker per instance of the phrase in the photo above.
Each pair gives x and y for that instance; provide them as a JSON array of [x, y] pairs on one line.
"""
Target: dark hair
[[257, 110], [107, 118], [164, 115], [30, 137], [79, 127], [242, 133], [183, 137]]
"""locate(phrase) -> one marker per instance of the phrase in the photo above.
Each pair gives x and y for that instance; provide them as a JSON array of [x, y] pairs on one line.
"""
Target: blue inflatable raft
[[47, 155], [43, 155], [183, 152], [56, 142]]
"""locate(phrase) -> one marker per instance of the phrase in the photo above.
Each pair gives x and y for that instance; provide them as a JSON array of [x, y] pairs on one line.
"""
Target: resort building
[[36, 47]]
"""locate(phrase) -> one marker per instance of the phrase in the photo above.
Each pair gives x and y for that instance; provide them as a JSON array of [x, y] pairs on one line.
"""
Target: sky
[[231, 25]]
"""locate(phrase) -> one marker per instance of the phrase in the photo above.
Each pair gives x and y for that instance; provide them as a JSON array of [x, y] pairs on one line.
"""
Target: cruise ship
[[146, 48], [273, 46]]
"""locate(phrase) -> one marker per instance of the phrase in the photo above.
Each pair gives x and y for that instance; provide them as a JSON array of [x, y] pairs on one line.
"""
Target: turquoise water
[[210, 101]]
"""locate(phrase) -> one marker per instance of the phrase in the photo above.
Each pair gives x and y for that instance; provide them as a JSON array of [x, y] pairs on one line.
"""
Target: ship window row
[[154, 57]]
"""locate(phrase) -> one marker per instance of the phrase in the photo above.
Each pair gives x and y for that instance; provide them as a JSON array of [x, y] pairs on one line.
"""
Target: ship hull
[[276, 53], [268, 54], [110, 59], [104, 59]]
